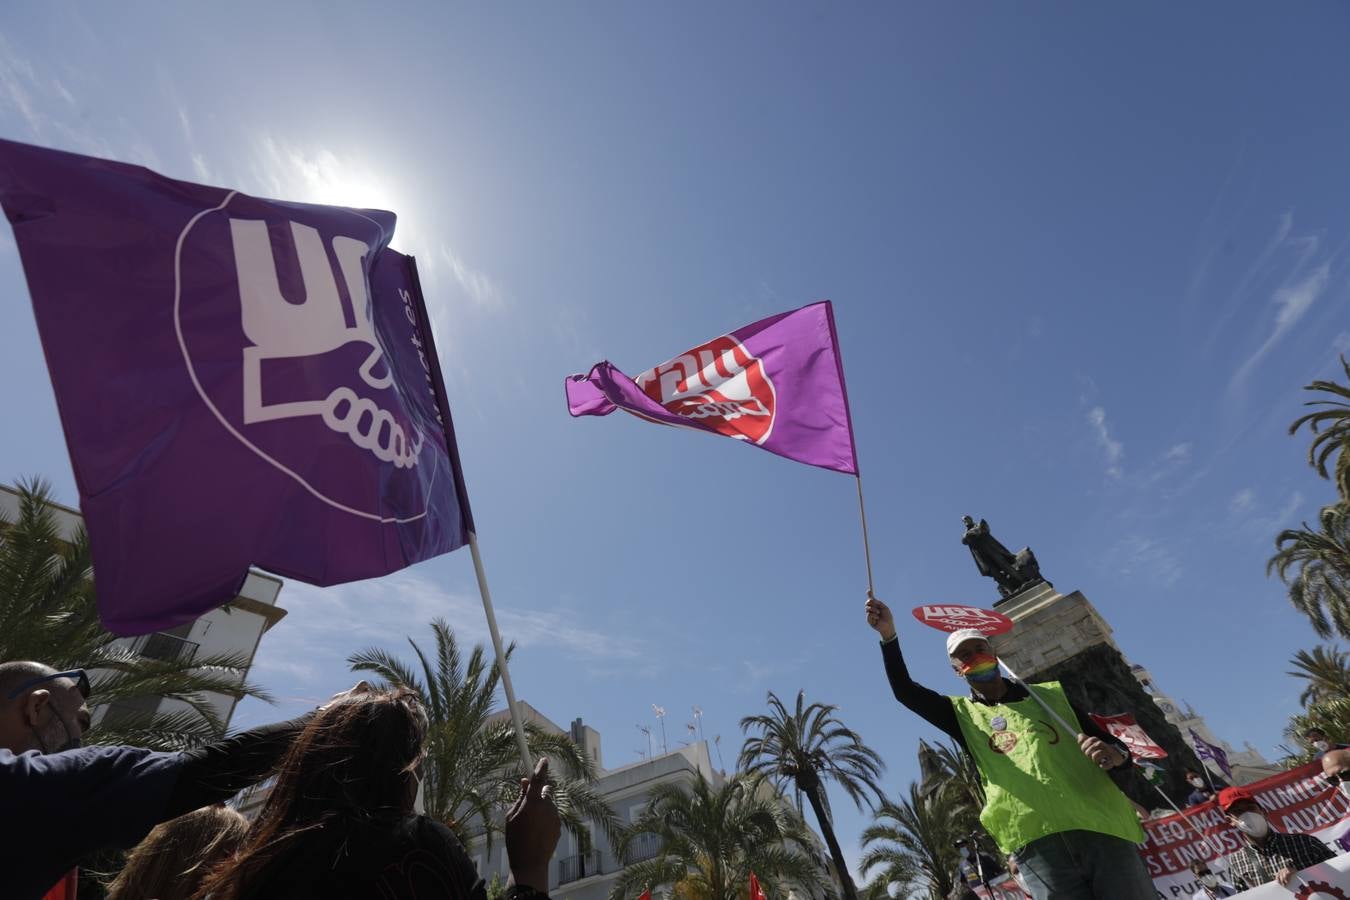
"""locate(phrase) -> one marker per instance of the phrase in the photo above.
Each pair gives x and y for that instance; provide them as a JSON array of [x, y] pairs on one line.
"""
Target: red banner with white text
[[1297, 801]]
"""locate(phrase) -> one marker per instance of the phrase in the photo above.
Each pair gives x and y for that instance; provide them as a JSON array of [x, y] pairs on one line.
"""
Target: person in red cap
[[1269, 855]]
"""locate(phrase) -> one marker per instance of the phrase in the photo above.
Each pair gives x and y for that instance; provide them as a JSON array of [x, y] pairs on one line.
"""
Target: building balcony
[[166, 647], [643, 847], [575, 868]]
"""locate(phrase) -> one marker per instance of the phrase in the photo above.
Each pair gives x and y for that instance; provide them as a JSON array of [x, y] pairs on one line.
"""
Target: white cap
[[957, 638]]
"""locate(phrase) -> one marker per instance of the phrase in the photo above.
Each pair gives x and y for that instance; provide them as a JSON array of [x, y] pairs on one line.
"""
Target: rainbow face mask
[[981, 669]]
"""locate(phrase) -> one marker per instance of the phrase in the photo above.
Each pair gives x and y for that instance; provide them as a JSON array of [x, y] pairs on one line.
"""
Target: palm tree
[[48, 614], [713, 836], [807, 747], [951, 777], [473, 767], [1331, 431], [1327, 672], [913, 842], [1319, 585]]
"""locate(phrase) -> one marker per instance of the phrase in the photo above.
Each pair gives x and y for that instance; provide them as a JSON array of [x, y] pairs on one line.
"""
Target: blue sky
[[1082, 259]]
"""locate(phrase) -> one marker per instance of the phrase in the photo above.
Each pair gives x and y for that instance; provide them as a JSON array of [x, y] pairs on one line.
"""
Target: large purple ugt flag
[[777, 384], [241, 382]]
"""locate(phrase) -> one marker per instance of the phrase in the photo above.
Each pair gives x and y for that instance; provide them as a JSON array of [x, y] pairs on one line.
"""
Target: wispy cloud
[[1251, 516], [1178, 453], [17, 82], [1293, 301], [481, 289], [1112, 448], [331, 623], [1153, 560]]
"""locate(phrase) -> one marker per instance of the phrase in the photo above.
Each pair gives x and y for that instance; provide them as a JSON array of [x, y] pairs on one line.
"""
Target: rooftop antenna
[[698, 717], [717, 742], [661, 714], [648, 732]]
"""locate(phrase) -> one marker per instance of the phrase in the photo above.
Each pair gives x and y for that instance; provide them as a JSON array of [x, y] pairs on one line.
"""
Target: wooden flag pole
[[867, 549], [517, 724]]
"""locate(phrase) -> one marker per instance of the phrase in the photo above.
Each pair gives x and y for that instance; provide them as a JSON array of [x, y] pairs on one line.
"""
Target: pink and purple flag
[[1205, 750], [241, 382], [777, 384]]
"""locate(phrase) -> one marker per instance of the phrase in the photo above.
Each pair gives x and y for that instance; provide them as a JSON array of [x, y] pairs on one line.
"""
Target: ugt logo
[[719, 384], [299, 337], [281, 330]]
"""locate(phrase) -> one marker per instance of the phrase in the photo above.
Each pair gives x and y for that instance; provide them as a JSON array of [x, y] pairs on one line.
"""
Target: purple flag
[[777, 384], [241, 382], [1206, 750]]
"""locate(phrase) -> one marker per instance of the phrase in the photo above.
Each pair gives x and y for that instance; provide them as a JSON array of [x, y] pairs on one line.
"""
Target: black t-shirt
[[410, 859]]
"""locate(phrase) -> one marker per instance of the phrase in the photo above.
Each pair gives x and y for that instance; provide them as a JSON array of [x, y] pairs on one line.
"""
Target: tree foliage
[[48, 614], [1315, 564], [806, 747], [473, 765], [911, 844], [712, 836]]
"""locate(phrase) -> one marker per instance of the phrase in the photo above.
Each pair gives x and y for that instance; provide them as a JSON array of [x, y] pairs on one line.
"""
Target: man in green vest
[[1048, 799]]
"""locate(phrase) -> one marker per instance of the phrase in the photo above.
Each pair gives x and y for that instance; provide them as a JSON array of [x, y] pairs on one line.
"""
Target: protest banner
[[1297, 801]]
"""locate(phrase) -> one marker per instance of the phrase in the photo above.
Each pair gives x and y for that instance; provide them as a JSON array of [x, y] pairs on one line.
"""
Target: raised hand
[[879, 617], [532, 830]]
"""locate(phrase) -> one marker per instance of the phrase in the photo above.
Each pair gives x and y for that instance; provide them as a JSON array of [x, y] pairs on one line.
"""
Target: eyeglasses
[[81, 683]]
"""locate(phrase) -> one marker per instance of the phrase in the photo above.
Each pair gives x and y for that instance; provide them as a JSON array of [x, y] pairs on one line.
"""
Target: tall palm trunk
[[811, 787]]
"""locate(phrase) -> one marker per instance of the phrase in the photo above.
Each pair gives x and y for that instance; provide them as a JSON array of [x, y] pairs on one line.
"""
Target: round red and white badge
[[952, 617]]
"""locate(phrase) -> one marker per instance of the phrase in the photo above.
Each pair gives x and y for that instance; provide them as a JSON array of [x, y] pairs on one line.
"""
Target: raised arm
[[924, 702]]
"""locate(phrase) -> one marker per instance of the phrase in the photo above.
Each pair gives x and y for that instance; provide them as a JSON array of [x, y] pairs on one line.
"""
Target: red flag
[[1125, 729], [645, 895], [755, 892]]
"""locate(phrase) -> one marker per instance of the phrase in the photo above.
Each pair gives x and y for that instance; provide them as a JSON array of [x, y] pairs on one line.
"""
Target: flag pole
[[1209, 842], [517, 724], [867, 548]]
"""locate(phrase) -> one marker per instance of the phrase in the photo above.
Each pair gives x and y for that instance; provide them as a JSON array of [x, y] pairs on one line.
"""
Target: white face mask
[[1196, 782], [1253, 824], [1321, 745], [1209, 880]]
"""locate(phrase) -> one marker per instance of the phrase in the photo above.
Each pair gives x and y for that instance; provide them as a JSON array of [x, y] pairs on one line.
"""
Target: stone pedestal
[[1058, 637], [1050, 628]]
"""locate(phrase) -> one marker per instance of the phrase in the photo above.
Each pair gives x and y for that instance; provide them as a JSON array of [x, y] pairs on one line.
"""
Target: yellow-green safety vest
[[1037, 781]]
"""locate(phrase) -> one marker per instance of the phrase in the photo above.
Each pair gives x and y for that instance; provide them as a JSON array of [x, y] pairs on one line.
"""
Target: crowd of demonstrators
[[172, 861], [1048, 799], [341, 809], [1266, 855]]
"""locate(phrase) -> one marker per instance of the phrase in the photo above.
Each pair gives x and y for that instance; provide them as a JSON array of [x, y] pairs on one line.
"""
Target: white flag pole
[[517, 724]]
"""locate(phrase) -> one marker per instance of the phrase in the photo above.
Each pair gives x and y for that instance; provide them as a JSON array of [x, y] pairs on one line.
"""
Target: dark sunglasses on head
[[81, 682]]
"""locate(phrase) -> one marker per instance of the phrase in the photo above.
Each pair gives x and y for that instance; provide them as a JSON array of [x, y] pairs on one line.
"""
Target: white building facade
[[1248, 764], [574, 875]]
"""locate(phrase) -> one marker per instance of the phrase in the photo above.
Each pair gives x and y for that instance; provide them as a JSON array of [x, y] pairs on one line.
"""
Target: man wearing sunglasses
[[101, 797]]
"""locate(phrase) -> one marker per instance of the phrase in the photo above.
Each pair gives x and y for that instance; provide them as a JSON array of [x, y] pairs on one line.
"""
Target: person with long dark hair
[[340, 820]]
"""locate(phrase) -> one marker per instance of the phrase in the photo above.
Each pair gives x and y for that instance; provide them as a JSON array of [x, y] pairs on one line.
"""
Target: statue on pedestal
[[1014, 572]]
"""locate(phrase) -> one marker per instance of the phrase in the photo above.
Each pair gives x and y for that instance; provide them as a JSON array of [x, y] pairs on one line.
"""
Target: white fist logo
[[279, 330]]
